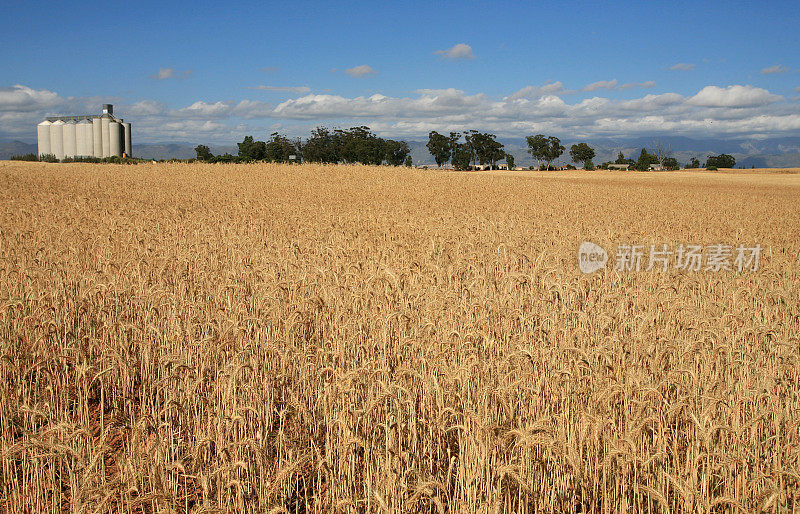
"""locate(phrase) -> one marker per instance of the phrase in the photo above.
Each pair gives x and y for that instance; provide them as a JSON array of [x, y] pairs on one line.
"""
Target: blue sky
[[200, 72]]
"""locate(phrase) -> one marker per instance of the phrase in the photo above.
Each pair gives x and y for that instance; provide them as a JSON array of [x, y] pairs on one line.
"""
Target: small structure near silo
[[87, 135]]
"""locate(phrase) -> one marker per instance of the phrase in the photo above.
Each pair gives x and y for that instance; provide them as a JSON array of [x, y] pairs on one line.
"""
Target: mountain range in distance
[[780, 152]]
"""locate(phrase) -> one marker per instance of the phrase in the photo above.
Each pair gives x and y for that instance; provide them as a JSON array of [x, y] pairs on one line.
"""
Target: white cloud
[[206, 110], [551, 88], [733, 96], [457, 52], [712, 111], [147, 108], [170, 73], [683, 66], [24, 99], [636, 85], [774, 69], [615, 85], [601, 84], [286, 89], [362, 70]]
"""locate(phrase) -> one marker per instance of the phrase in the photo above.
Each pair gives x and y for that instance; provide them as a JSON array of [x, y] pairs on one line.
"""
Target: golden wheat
[[269, 338]]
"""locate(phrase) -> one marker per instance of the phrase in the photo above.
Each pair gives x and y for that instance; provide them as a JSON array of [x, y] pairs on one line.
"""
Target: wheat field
[[274, 338]]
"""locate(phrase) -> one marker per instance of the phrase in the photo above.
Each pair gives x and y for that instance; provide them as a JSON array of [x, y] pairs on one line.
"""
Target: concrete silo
[[115, 138], [70, 149], [43, 137], [88, 132], [126, 129], [57, 139], [85, 135], [80, 138], [97, 138], [104, 128]]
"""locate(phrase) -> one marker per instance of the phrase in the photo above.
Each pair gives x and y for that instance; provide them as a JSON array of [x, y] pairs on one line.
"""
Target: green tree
[[439, 146], [538, 147], [279, 148], [510, 161], [693, 163], [454, 139], [203, 153], [584, 153], [396, 152], [645, 160], [323, 146], [250, 150], [462, 157], [721, 161], [671, 163], [484, 147], [409, 162], [543, 148]]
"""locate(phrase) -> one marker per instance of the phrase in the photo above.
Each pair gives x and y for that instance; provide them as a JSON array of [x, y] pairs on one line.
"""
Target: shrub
[[25, 157]]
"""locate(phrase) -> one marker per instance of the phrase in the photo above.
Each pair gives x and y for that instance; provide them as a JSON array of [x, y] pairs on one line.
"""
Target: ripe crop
[[188, 337]]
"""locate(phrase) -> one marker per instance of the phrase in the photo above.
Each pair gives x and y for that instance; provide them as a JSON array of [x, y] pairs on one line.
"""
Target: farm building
[[87, 135]]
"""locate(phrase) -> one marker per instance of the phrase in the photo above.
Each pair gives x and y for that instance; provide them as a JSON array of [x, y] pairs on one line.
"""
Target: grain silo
[[85, 135], [97, 138], [81, 138], [70, 148], [56, 139], [43, 136]]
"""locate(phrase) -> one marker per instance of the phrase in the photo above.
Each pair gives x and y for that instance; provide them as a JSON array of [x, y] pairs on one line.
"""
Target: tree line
[[484, 149], [349, 146], [461, 150]]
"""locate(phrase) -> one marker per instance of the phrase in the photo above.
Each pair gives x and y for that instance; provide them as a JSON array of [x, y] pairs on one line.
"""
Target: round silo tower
[[43, 137], [115, 138], [57, 139], [126, 128], [104, 123], [70, 149], [80, 138], [97, 138], [88, 135]]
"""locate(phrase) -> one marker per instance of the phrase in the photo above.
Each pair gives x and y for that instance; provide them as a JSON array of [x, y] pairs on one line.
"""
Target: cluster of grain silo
[[85, 136]]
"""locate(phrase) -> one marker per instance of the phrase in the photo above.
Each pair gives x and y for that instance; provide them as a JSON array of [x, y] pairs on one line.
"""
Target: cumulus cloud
[[286, 89], [682, 66], [711, 112], [457, 52], [733, 96], [170, 73], [24, 99], [774, 69], [147, 108], [362, 70], [206, 110]]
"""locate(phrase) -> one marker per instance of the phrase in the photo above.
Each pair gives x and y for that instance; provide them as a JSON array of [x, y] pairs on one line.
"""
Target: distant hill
[[760, 153], [182, 150], [9, 148]]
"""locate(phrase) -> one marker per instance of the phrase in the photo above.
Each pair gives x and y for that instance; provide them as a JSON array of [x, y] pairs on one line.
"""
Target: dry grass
[[315, 339]]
